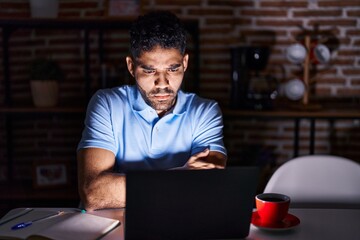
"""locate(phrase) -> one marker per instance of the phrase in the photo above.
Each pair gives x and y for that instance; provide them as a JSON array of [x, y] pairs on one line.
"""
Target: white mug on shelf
[[320, 54], [296, 53], [294, 89]]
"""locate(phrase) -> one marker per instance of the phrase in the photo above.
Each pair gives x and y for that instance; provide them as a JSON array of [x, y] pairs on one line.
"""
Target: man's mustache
[[161, 91]]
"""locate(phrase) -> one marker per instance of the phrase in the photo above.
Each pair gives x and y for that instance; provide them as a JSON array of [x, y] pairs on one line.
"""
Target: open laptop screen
[[190, 204]]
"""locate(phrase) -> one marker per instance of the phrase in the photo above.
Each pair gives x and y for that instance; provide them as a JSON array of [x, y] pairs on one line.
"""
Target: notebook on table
[[42, 223], [190, 204]]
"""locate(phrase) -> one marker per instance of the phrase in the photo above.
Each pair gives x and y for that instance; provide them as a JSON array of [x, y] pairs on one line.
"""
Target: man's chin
[[161, 106]]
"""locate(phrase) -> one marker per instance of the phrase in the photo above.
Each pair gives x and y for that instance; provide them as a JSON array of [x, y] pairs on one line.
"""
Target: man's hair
[[159, 28]]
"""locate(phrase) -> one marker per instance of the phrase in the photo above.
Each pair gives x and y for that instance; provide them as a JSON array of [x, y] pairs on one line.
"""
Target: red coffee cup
[[272, 208]]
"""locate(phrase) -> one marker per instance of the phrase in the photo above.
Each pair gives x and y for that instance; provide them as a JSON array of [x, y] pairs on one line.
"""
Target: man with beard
[[152, 125]]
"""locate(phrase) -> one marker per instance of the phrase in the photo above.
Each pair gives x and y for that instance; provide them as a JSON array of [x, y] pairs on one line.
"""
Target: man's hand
[[206, 160]]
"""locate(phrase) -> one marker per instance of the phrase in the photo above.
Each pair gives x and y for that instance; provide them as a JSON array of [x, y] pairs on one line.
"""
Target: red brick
[[338, 62], [355, 82], [70, 14], [19, 53], [215, 30], [67, 41], [58, 51], [348, 92], [20, 34], [27, 42], [284, 4], [344, 41], [262, 33], [54, 33], [98, 13], [10, 5], [334, 22], [336, 3], [8, 15], [326, 71], [330, 80], [178, 3], [318, 13], [353, 32], [231, 3], [263, 13], [351, 53], [64, 5], [323, 91], [227, 21], [353, 13], [210, 11], [278, 23]]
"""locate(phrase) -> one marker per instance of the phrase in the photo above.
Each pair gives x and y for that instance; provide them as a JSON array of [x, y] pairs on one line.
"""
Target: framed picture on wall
[[117, 8], [47, 174]]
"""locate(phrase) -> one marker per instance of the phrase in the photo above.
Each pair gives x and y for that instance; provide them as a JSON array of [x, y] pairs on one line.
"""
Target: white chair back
[[318, 181]]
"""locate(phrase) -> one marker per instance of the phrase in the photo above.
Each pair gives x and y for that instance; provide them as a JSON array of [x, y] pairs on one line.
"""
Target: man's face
[[159, 74]]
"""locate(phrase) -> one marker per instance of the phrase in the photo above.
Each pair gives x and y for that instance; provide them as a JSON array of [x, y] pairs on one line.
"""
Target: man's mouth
[[161, 97]]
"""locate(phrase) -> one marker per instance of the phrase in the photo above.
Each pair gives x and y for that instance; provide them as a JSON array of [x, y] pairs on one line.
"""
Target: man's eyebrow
[[146, 67], [175, 65]]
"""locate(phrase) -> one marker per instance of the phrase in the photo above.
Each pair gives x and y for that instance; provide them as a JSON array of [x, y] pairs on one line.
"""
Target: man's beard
[[159, 105]]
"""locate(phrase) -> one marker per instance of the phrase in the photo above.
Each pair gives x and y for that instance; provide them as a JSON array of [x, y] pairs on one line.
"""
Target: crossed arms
[[100, 187]]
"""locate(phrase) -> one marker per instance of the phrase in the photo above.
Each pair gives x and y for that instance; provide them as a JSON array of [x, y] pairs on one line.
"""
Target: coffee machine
[[250, 89]]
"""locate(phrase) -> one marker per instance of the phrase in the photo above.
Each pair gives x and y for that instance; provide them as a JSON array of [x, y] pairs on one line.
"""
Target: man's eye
[[149, 71], [173, 69]]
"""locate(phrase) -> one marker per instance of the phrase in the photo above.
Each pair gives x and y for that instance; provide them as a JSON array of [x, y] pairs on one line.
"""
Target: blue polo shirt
[[119, 120]]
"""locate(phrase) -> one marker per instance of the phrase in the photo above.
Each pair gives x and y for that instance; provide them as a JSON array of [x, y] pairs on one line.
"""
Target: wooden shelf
[[66, 23], [328, 111], [20, 194], [325, 108], [16, 110], [20, 191], [293, 113], [78, 23]]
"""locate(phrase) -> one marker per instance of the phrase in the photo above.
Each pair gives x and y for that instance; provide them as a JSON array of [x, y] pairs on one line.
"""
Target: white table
[[315, 224]]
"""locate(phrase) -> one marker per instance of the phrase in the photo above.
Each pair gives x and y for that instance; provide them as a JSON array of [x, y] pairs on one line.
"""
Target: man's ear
[[130, 65], [185, 61]]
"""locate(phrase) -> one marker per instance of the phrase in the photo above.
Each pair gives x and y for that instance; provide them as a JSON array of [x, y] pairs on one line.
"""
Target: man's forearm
[[107, 190]]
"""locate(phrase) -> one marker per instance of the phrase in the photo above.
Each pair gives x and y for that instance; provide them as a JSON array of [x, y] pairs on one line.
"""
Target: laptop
[[190, 204]]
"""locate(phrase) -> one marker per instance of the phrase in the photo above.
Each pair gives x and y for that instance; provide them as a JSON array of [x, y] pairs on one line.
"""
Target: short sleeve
[[208, 129], [98, 130]]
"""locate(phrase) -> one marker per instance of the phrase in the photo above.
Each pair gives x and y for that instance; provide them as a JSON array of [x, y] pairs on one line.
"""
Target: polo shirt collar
[[180, 106], [137, 101]]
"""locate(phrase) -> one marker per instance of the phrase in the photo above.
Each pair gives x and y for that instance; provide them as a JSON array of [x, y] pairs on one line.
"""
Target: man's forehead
[[153, 61], [148, 65], [159, 50]]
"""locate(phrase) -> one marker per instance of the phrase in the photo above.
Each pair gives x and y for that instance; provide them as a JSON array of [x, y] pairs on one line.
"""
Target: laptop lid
[[190, 204]]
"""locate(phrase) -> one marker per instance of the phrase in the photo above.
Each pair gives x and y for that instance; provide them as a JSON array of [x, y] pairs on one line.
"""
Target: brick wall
[[222, 24]]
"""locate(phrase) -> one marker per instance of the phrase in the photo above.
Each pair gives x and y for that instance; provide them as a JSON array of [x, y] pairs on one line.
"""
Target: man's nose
[[161, 80]]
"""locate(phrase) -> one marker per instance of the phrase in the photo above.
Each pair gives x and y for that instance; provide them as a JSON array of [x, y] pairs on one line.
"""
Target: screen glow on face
[[159, 74]]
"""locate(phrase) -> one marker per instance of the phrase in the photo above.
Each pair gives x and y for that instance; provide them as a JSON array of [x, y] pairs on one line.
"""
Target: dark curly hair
[[158, 28]]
